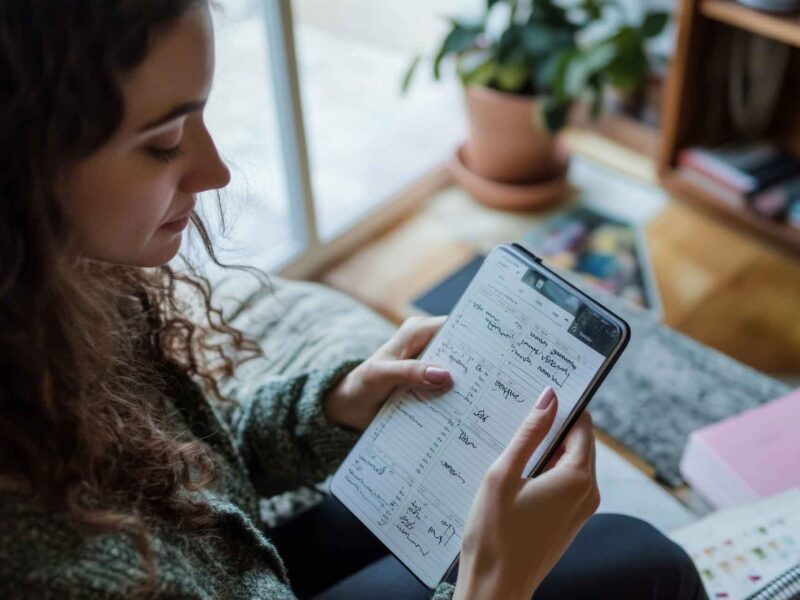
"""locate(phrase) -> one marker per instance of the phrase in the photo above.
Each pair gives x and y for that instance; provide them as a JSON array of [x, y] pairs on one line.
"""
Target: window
[[320, 138], [241, 116], [366, 140]]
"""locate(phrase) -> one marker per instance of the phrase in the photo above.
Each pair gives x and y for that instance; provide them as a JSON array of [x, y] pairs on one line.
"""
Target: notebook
[[748, 456], [750, 552], [413, 474]]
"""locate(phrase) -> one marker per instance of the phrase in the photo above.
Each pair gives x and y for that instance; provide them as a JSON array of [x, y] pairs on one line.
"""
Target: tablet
[[413, 474]]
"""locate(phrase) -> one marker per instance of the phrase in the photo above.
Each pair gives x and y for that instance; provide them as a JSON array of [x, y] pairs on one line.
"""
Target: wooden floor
[[728, 290], [719, 285]]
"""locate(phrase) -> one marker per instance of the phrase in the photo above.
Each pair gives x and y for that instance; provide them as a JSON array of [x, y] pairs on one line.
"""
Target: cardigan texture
[[275, 441]]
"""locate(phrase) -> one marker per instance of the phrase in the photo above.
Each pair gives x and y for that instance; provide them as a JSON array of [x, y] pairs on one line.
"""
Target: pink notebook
[[751, 455]]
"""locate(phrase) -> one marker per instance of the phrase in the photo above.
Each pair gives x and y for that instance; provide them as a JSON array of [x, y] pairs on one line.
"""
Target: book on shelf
[[712, 187], [793, 214], [780, 201], [757, 176], [744, 168]]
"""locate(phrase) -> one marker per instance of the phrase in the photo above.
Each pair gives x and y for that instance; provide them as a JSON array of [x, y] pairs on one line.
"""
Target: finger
[[593, 458], [407, 373], [529, 435], [560, 452], [579, 444], [556, 457], [413, 335], [580, 421]]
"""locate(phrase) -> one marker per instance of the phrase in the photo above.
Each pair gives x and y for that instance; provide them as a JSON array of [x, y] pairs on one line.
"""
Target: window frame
[[313, 254]]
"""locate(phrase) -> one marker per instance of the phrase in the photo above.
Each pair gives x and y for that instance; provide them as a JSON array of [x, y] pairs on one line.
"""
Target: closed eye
[[166, 155]]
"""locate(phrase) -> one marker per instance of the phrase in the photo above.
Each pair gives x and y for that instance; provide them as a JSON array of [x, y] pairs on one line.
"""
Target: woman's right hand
[[518, 528]]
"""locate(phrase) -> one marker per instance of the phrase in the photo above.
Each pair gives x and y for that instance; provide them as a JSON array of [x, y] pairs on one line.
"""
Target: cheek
[[116, 212]]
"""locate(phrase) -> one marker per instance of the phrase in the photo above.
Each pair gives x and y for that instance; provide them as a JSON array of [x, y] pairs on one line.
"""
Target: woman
[[123, 469]]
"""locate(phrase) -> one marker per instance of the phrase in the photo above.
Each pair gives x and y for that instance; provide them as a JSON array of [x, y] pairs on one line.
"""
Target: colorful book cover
[[603, 250]]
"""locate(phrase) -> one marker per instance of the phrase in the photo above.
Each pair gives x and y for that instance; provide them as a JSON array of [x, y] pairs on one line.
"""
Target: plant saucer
[[538, 195]]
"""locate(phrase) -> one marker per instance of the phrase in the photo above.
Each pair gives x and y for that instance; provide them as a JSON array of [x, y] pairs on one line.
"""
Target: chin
[[160, 254]]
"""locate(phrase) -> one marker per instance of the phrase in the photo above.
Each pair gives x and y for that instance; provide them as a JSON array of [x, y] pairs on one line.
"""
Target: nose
[[208, 171]]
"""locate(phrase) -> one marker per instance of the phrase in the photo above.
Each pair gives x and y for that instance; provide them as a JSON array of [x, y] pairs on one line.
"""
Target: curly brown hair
[[89, 350]]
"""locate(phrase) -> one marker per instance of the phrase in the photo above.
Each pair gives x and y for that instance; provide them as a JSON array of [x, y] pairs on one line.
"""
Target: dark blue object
[[442, 298]]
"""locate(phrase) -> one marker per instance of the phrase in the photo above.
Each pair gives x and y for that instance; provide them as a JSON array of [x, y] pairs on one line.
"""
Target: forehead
[[178, 68]]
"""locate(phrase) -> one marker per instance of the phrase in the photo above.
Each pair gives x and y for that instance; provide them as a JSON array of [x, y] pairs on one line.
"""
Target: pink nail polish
[[436, 375], [546, 398]]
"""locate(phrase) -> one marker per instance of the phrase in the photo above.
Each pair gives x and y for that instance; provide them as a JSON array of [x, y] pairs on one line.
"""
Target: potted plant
[[525, 63]]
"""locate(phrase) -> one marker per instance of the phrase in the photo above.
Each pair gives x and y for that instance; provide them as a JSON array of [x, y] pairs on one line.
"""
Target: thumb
[[407, 373], [529, 435]]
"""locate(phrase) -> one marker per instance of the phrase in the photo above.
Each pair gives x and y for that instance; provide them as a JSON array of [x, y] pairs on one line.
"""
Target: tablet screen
[[415, 471]]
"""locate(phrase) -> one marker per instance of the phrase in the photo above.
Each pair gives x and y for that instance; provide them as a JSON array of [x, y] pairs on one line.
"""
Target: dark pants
[[329, 553]]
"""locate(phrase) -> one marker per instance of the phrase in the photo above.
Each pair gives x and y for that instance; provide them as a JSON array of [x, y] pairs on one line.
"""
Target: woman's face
[[130, 201]]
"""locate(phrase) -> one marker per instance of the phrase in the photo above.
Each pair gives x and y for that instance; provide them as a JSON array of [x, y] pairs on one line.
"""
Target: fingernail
[[546, 398], [436, 375]]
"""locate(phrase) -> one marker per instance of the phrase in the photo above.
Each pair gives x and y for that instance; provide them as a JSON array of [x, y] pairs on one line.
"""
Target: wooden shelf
[[786, 236], [784, 28]]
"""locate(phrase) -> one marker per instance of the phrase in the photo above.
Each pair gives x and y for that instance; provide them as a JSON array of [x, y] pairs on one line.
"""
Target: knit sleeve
[[82, 586], [444, 591], [284, 436], [44, 557]]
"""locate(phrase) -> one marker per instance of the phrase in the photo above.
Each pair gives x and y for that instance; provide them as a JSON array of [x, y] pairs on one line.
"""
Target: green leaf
[[512, 78], [536, 39], [546, 71], [483, 75], [556, 84], [599, 56], [546, 12], [596, 96], [654, 24], [491, 3], [629, 69], [461, 38], [510, 43], [554, 114], [576, 74], [593, 8], [477, 67], [409, 74]]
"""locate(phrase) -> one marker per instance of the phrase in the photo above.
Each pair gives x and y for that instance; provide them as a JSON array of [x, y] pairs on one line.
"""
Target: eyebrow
[[178, 111]]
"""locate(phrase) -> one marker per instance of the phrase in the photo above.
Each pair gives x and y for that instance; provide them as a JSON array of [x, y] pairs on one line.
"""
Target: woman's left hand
[[356, 399]]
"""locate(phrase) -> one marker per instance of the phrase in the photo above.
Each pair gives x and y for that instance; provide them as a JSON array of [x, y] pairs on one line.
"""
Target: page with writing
[[415, 471]]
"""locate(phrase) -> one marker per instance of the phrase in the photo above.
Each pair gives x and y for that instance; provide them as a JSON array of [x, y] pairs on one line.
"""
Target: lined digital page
[[415, 471]]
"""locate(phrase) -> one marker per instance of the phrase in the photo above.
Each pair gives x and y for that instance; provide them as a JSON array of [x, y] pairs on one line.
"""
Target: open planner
[[413, 474]]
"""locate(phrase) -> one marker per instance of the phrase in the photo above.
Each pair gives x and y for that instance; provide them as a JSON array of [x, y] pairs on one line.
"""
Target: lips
[[182, 216]]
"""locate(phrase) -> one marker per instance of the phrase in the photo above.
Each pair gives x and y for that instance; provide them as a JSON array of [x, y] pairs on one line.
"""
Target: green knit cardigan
[[275, 441]]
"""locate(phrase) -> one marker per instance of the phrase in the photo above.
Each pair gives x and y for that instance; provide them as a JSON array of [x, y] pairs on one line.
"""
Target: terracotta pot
[[506, 142]]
